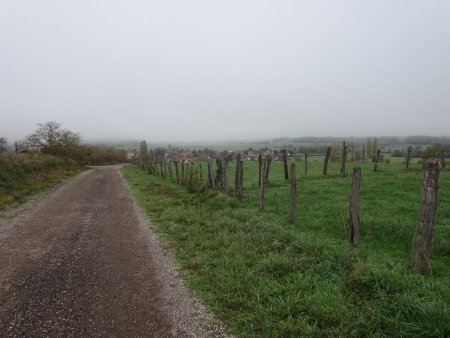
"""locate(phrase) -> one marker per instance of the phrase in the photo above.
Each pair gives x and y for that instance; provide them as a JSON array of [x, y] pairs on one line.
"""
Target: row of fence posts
[[422, 242], [423, 237], [186, 174]]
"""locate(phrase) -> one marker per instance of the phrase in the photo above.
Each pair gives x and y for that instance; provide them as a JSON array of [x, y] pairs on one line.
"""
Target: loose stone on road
[[83, 262]]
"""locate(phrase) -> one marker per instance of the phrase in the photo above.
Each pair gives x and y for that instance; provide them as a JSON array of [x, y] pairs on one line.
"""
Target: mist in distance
[[188, 71]]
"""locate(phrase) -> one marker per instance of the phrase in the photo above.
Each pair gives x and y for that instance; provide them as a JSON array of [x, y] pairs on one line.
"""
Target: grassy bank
[[264, 276], [23, 175]]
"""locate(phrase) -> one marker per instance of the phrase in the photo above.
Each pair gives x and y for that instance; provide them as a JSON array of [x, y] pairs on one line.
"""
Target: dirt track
[[83, 263]]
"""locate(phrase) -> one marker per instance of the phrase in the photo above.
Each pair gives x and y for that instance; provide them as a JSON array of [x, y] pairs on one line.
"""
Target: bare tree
[[68, 138], [50, 134]]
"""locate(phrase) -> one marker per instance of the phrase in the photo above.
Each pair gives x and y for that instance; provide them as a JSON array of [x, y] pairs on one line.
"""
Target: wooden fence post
[[260, 168], [162, 168], [182, 173], [423, 238], [225, 175], [236, 179], [306, 164], [151, 167], [377, 159], [239, 179], [201, 172], [186, 173], [218, 180], [285, 164], [408, 157], [170, 171], [353, 208], [344, 159], [327, 159], [177, 173], [293, 210], [190, 172], [269, 162], [261, 187], [210, 178]]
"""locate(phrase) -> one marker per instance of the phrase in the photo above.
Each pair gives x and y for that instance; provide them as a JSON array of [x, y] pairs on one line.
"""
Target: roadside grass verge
[[23, 175], [266, 277]]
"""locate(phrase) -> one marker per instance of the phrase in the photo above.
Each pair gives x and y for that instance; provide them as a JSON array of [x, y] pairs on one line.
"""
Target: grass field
[[264, 276]]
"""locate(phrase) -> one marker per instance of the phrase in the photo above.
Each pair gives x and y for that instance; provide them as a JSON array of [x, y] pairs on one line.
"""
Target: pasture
[[264, 276]]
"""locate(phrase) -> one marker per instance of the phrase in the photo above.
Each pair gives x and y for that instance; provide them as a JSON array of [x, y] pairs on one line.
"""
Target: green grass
[[266, 277], [23, 175]]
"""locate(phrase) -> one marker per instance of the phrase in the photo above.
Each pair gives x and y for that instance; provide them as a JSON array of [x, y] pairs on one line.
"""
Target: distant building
[[184, 155]]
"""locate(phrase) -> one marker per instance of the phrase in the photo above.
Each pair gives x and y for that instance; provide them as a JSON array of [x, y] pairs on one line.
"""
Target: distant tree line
[[382, 140]]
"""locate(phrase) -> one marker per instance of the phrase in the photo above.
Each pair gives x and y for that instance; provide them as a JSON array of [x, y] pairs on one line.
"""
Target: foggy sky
[[188, 70]]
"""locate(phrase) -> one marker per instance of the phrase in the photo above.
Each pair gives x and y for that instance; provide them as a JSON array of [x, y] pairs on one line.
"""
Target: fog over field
[[170, 71]]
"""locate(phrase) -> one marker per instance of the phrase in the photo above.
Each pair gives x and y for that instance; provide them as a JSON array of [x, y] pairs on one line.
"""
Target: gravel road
[[84, 262]]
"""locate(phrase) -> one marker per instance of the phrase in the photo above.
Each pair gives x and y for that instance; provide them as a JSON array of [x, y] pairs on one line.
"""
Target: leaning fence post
[[408, 157], [293, 210], [353, 208], [423, 237], [327, 159]]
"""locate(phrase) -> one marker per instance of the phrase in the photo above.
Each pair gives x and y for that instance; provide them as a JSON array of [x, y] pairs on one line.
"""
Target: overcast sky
[[207, 70]]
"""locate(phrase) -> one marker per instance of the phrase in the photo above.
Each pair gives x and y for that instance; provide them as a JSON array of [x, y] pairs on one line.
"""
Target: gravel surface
[[84, 262]]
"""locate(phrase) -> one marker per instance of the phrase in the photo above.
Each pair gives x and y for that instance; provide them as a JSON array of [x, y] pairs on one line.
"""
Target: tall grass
[[267, 277], [21, 175]]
